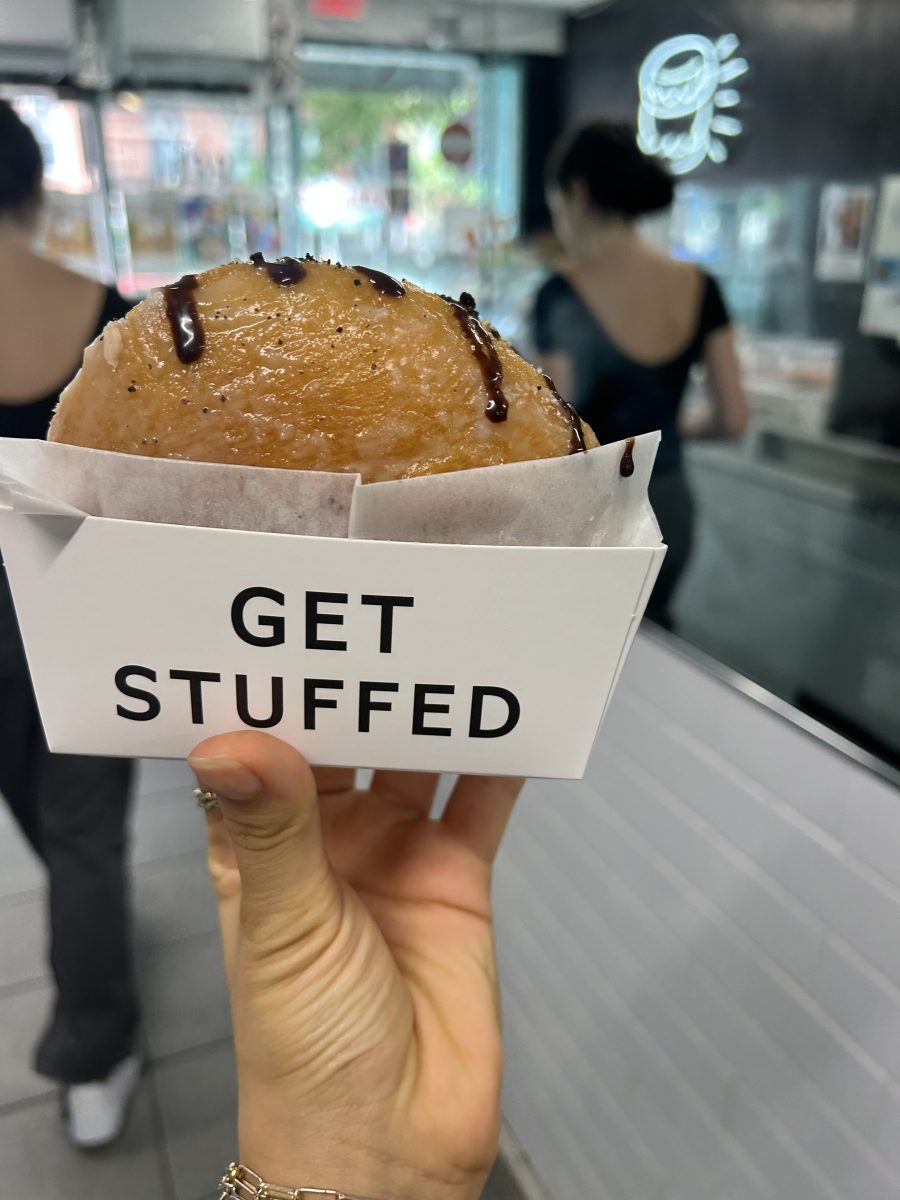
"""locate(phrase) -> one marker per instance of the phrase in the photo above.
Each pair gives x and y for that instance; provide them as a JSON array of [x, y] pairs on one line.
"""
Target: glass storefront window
[[410, 159], [189, 184]]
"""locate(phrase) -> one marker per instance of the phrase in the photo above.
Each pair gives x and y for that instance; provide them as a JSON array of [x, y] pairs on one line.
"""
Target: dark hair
[[619, 178], [21, 166]]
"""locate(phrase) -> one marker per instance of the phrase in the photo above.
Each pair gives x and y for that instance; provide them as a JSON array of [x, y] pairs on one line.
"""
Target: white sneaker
[[95, 1112]]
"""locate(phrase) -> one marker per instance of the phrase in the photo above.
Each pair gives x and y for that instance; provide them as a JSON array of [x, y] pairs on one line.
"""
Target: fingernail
[[230, 779]]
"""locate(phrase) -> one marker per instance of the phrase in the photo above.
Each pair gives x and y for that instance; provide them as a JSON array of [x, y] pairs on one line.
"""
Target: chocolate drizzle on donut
[[485, 352], [626, 466], [188, 333], [386, 284], [284, 271], [577, 443]]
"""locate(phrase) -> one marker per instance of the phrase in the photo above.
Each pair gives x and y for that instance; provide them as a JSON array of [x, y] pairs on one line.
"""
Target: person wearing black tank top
[[620, 325], [72, 810]]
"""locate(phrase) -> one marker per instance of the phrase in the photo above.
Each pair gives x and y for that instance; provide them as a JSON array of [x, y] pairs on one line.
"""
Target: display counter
[[795, 577]]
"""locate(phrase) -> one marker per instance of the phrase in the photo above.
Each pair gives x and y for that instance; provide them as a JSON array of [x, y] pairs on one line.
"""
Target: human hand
[[360, 961]]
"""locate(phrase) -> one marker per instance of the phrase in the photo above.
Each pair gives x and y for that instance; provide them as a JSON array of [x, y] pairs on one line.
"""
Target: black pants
[[74, 813], [673, 504]]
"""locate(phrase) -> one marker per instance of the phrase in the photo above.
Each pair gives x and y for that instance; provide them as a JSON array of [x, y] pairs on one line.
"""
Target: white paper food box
[[145, 637]]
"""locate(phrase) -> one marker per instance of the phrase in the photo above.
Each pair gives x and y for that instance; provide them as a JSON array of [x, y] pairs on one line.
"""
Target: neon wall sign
[[686, 78]]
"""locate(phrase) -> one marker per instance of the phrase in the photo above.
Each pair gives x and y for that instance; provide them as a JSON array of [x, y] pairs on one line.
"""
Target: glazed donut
[[313, 366]]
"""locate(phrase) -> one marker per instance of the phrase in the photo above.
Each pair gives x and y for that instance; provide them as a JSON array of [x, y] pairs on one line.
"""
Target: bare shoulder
[[75, 288], [48, 314], [680, 280], [675, 268]]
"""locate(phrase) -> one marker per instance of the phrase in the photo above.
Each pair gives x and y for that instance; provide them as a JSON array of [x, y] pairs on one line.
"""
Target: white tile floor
[[181, 1129]]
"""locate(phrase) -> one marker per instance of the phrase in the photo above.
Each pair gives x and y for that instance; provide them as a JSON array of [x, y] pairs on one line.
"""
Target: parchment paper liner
[[581, 500]]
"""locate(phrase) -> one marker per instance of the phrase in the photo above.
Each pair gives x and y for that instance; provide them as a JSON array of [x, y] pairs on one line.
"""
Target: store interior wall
[[820, 104], [821, 96]]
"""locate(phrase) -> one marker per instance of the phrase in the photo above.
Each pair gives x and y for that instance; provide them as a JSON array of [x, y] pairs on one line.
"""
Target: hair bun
[[21, 166], [619, 177], [653, 187]]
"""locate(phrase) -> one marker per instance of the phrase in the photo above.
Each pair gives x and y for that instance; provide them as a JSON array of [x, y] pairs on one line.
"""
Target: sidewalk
[[181, 1132]]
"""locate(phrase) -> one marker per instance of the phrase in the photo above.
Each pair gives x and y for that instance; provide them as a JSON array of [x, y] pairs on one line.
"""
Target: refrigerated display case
[[74, 228], [755, 240], [190, 184]]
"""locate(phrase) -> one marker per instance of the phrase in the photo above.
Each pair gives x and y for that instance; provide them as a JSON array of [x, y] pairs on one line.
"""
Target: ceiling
[[571, 6], [510, 26], [37, 38], [564, 7]]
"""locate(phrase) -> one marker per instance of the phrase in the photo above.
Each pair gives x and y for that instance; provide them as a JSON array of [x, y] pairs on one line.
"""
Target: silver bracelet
[[240, 1183]]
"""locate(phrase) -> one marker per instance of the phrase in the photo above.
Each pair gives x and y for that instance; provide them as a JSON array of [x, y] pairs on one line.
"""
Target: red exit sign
[[339, 10]]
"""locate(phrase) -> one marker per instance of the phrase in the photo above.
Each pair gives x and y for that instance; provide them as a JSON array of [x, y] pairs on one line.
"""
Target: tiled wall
[[700, 947]]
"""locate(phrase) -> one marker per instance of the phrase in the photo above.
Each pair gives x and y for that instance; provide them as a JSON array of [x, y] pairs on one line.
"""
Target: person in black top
[[620, 324], [72, 810]]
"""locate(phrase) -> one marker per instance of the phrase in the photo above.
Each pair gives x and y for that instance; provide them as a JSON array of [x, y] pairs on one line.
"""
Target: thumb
[[267, 795]]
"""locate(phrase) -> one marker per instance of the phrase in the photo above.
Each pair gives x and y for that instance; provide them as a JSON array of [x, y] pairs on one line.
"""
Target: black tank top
[[617, 396], [32, 420]]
